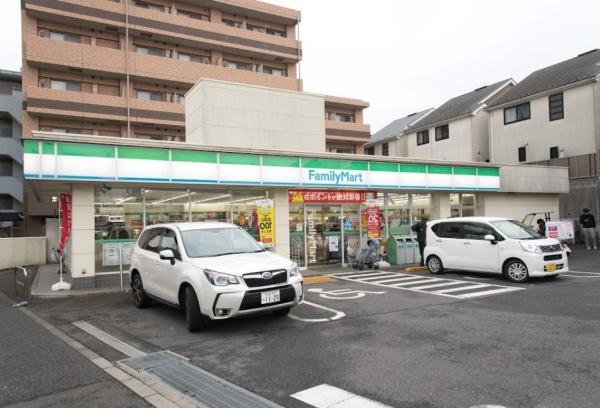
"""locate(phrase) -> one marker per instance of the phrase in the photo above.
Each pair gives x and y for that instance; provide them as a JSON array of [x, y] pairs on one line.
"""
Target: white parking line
[[424, 284], [328, 396], [106, 338], [367, 274], [337, 314], [387, 275]]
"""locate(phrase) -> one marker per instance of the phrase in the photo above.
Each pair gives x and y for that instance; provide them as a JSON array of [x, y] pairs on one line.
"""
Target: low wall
[[22, 251]]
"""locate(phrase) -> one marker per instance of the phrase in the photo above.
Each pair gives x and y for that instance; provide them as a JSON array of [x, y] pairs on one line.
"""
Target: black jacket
[[421, 229], [587, 221]]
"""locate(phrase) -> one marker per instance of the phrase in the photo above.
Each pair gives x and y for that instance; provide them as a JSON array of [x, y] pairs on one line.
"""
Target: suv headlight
[[220, 279], [294, 270], [527, 247]]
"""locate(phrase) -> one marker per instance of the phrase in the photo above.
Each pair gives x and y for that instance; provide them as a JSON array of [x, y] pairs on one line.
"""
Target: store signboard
[[99, 162], [329, 196]]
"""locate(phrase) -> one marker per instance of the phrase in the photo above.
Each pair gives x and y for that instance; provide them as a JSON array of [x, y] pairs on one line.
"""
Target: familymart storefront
[[316, 207]]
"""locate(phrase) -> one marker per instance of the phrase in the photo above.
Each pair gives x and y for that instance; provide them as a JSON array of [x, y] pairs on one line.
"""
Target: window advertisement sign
[[65, 221], [329, 196], [373, 221], [266, 221]]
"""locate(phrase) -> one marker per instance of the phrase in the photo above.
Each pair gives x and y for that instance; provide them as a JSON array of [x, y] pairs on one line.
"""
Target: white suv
[[494, 245], [213, 271]]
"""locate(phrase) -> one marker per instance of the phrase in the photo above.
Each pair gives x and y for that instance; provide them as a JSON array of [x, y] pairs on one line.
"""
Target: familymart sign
[[48, 160]]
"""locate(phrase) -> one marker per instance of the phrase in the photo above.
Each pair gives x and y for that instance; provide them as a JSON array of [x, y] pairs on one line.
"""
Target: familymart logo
[[335, 177]]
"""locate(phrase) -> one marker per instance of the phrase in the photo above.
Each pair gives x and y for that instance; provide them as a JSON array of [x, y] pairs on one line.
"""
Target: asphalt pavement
[[532, 347]]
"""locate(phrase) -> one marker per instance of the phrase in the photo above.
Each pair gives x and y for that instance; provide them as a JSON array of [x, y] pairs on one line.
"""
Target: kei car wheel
[[516, 271], [435, 265], [139, 297], [194, 319]]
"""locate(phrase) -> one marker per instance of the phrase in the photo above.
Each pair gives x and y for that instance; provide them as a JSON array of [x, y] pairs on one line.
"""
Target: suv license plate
[[271, 296], [551, 267]]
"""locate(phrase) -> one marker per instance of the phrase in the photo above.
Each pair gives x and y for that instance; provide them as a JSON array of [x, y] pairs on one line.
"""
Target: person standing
[[588, 226], [421, 229], [541, 226]]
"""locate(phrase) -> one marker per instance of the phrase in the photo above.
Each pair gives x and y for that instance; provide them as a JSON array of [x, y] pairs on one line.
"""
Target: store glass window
[[118, 221], [164, 206], [421, 206], [398, 213], [462, 205], [296, 221], [244, 210], [211, 205]]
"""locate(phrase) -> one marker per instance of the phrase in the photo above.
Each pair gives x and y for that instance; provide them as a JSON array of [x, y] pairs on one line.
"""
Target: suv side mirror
[[491, 238], [167, 255]]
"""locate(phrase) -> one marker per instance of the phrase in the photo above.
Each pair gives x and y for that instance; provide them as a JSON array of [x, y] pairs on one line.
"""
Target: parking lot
[[377, 337]]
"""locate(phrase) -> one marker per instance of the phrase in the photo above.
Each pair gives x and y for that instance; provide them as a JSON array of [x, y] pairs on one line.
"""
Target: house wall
[[517, 206], [575, 133], [458, 147]]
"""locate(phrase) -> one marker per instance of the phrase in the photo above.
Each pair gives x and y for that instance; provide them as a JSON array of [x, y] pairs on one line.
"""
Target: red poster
[[65, 221], [325, 196], [373, 222]]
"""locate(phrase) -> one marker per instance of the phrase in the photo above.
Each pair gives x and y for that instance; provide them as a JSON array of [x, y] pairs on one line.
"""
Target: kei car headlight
[[220, 279], [527, 247], [294, 270]]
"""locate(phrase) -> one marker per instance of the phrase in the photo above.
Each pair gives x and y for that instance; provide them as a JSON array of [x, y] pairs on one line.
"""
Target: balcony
[[12, 187], [12, 148], [347, 131], [44, 52], [165, 26], [89, 106]]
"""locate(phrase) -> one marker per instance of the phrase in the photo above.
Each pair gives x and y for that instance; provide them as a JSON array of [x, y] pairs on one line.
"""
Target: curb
[[416, 269], [309, 280]]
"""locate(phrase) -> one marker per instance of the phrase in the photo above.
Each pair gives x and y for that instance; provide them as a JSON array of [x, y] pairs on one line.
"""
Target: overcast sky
[[405, 56]]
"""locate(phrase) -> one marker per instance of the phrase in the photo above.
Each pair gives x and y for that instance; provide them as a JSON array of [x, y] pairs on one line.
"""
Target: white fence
[[22, 251]]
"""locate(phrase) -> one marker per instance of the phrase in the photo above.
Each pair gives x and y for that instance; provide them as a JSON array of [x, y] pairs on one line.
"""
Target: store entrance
[[323, 234]]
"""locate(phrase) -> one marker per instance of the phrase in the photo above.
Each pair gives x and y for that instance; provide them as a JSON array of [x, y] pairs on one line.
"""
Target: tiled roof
[[397, 127], [580, 68]]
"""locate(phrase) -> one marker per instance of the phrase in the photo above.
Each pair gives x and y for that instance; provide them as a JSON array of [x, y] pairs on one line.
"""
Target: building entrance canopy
[[47, 160]]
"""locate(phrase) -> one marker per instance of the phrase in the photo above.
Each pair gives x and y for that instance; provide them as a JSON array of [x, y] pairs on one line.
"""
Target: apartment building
[[552, 117], [123, 67], [456, 130], [11, 154]]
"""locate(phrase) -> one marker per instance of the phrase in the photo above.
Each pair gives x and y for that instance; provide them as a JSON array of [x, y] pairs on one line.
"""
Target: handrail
[[24, 298]]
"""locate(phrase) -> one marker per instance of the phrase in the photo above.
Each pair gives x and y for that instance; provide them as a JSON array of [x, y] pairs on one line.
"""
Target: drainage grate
[[200, 387]]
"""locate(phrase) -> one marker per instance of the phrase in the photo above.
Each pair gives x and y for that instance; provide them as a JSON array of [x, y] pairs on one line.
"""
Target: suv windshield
[[202, 243], [516, 230]]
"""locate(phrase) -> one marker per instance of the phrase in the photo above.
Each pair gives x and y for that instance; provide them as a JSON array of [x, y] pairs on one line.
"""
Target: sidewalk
[[40, 370]]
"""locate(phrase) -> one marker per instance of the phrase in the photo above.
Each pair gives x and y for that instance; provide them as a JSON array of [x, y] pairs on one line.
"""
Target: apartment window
[[442, 132], [180, 98], [6, 168], [192, 14], [274, 71], [244, 66], [65, 130], [422, 137], [149, 95], [554, 153], [370, 150], [522, 154], [255, 28], [232, 23], [342, 117], [149, 6], [517, 113], [556, 106], [157, 52], [65, 85], [148, 137], [276, 33], [55, 35], [193, 58], [5, 127], [385, 149], [6, 202]]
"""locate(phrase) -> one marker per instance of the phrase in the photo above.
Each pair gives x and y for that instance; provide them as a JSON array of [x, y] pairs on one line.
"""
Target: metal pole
[[343, 243], [121, 264]]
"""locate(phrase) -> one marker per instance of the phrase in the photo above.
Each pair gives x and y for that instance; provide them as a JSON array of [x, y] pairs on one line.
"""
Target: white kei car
[[213, 271], [493, 245]]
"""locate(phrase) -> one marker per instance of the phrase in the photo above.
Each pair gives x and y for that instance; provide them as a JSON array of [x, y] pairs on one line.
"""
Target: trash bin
[[410, 250], [396, 250]]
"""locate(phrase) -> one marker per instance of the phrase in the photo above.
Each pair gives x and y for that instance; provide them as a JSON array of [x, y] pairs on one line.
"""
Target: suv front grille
[[256, 280], [551, 248], [252, 298]]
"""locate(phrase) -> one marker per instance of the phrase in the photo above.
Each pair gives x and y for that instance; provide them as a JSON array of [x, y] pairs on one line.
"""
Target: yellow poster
[[266, 221]]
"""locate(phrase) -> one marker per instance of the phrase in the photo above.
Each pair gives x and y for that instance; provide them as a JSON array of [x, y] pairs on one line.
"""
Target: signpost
[[64, 226], [266, 221]]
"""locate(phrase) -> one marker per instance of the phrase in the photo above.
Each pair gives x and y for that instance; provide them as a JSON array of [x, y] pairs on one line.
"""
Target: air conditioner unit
[[43, 33]]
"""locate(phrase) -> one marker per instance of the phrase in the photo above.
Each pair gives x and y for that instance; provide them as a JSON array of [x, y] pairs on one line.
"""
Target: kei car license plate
[[551, 267], [271, 296]]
